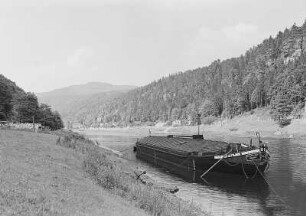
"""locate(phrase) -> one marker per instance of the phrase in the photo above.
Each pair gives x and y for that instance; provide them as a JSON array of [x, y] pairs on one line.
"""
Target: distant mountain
[[85, 89], [70, 100]]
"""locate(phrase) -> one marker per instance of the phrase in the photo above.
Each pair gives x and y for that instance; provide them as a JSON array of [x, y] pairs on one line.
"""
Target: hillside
[[69, 101], [271, 74], [85, 89]]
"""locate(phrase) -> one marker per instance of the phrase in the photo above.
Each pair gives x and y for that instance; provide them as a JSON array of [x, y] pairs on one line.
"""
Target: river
[[220, 194]]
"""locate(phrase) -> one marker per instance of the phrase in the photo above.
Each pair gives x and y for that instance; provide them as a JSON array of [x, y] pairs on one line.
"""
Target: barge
[[182, 154]]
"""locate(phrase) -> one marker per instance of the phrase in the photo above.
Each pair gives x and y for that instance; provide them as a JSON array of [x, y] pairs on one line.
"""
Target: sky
[[50, 44]]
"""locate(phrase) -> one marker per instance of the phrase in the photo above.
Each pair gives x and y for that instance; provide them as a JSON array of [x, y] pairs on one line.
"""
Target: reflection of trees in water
[[254, 190], [287, 162], [298, 162], [236, 184], [292, 163]]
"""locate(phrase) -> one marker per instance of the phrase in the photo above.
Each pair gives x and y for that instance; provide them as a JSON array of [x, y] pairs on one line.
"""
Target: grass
[[118, 178], [38, 177], [66, 174]]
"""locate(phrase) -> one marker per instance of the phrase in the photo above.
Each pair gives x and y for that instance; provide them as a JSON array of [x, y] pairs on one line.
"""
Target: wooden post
[[155, 157], [194, 175], [34, 123], [199, 122]]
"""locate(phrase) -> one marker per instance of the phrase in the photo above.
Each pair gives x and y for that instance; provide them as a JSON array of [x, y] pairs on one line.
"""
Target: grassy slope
[[245, 126], [116, 175], [41, 178]]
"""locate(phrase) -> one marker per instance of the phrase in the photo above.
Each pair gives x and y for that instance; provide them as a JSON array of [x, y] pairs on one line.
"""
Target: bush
[[105, 173], [114, 177], [74, 141], [168, 123], [233, 129], [209, 120], [284, 122]]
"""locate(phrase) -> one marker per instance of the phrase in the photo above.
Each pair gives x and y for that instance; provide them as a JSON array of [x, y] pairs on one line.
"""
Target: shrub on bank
[[154, 200], [74, 141], [114, 177], [208, 120], [284, 122]]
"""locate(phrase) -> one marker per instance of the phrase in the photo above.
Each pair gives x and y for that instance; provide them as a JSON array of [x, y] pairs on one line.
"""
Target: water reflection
[[227, 183], [287, 175]]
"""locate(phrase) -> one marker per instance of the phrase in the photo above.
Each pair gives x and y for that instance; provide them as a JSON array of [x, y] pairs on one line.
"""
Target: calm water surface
[[230, 194]]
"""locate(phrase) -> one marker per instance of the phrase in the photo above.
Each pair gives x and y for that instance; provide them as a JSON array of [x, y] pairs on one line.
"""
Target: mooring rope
[[242, 164], [267, 167], [215, 164], [235, 164], [254, 174], [245, 174], [271, 187]]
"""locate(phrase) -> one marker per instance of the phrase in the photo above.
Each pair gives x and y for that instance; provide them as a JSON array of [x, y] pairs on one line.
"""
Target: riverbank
[[243, 126], [246, 125], [64, 174]]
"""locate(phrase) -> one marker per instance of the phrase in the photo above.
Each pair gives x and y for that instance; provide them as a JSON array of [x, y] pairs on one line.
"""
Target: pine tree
[[282, 108]]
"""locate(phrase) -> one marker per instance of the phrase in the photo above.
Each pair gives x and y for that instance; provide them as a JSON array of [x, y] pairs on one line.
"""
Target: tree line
[[23, 107], [271, 74]]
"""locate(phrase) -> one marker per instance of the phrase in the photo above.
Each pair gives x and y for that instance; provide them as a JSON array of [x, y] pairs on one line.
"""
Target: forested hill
[[19, 106], [271, 74]]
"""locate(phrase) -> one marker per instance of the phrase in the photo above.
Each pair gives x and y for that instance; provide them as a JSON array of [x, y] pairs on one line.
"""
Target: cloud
[[241, 32], [80, 57], [209, 44], [205, 39], [203, 47]]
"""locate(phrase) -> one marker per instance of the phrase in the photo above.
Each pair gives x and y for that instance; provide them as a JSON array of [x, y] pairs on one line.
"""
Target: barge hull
[[181, 163]]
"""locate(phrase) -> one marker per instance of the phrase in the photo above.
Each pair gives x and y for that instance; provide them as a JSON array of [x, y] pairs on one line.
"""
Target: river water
[[221, 194]]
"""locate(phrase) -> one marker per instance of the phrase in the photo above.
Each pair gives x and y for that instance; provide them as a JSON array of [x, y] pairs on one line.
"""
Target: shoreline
[[243, 126], [238, 129]]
